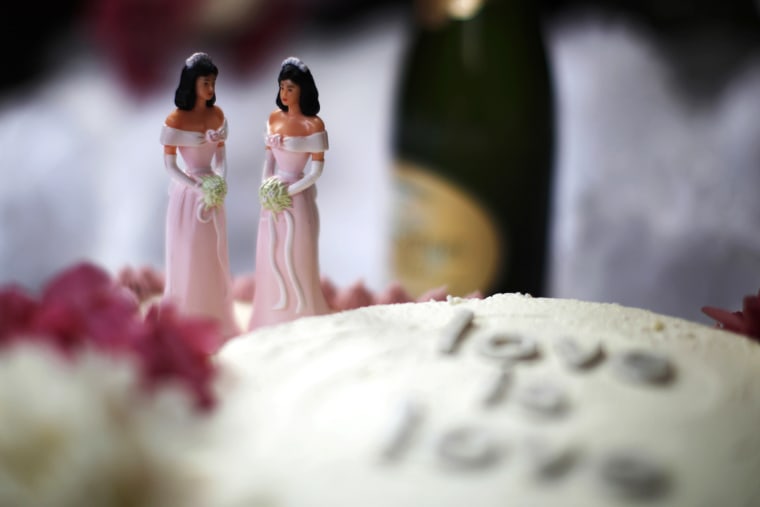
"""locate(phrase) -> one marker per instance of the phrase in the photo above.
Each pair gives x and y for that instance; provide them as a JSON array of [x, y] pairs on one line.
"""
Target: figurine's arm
[[177, 174], [268, 164], [220, 160], [220, 134], [173, 121], [311, 175]]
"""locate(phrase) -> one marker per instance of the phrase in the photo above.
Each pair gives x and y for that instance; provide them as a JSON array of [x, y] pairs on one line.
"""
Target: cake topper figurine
[[287, 281], [197, 262]]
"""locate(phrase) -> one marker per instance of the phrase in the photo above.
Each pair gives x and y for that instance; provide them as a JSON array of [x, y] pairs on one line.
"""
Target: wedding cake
[[505, 401]]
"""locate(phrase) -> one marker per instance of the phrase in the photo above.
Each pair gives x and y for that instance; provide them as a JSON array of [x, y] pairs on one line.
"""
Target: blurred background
[[654, 179]]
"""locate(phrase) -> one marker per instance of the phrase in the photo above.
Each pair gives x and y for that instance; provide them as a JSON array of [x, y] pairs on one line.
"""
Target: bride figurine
[[287, 282], [197, 262]]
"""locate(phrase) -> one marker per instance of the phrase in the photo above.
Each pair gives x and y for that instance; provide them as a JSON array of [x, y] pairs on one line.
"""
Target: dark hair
[[296, 71], [199, 64]]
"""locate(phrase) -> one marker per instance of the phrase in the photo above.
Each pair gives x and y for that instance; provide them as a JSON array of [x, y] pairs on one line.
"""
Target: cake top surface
[[510, 400]]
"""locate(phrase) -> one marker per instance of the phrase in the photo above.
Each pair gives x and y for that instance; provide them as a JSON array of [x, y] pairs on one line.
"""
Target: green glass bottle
[[473, 147]]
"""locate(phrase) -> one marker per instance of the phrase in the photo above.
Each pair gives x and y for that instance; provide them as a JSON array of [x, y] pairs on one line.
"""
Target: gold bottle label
[[441, 235], [436, 13]]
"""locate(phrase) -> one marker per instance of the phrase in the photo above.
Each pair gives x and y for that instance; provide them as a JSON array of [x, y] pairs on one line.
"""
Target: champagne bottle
[[473, 147]]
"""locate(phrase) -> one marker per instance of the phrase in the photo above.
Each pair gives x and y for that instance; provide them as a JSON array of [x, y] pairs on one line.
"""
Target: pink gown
[[197, 261], [287, 282]]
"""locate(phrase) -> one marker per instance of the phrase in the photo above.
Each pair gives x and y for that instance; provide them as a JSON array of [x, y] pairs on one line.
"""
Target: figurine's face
[[290, 93], [205, 87]]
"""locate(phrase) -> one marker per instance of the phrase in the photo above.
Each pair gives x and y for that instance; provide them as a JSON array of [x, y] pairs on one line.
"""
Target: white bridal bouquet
[[274, 195], [214, 191]]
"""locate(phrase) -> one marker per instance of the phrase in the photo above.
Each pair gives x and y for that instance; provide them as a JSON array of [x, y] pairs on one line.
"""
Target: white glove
[[177, 174], [268, 165], [220, 161], [309, 178]]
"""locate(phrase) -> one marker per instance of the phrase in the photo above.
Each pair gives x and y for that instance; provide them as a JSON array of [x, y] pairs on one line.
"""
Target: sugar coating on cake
[[510, 400]]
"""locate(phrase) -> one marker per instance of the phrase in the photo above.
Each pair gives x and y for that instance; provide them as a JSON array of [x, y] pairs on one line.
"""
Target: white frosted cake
[[506, 401]]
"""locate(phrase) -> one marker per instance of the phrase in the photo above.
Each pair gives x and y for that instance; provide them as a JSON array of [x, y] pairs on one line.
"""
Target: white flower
[[274, 196], [214, 191], [81, 432]]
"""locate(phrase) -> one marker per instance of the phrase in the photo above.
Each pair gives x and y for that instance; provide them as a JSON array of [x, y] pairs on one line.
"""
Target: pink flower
[[394, 293], [274, 140], [138, 37], [17, 313], [145, 282], [329, 290], [436, 294], [213, 136], [745, 321], [354, 296], [83, 307], [179, 349]]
